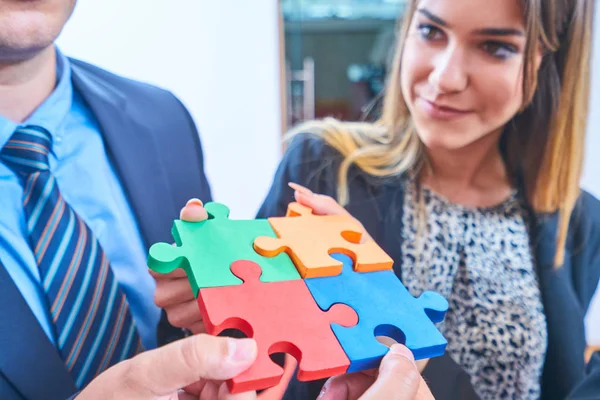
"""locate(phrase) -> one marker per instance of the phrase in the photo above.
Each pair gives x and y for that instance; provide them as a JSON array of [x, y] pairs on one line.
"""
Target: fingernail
[[402, 351], [300, 189], [195, 202], [241, 349]]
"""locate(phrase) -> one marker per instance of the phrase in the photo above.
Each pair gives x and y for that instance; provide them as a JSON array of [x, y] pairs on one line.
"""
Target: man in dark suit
[[93, 170]]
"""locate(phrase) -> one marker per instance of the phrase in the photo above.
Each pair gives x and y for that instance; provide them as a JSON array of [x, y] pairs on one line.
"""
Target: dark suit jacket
[[566, 292], [154, 145]]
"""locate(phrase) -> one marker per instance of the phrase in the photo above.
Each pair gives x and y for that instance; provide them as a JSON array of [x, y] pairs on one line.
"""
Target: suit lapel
[[29, 360], [131, 146]]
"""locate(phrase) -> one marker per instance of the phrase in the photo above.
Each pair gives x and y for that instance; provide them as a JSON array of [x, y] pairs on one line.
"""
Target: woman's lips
[[437, 111]]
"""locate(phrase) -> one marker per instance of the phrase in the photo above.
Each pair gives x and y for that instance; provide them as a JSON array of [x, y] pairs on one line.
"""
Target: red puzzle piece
[[281, 317]]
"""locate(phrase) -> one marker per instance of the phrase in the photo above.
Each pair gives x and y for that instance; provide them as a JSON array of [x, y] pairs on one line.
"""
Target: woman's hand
[[173, 290], [326, 205], [398, 378], [323, 205]]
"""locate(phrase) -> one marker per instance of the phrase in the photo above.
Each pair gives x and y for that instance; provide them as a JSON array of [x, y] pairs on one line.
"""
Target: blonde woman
[[470, 181]]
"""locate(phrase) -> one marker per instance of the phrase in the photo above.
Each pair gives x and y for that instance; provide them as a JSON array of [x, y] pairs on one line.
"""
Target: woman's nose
[[449, 74]]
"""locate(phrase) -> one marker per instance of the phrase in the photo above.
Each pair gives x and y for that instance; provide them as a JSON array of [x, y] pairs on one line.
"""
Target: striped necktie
[[93, 325]]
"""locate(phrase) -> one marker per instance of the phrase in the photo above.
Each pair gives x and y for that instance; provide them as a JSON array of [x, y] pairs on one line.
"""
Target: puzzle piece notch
[[206, 250], [310, 239], [282, 317], [385, 308]]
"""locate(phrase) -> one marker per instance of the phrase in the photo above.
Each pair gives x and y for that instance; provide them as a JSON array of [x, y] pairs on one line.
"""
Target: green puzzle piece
[[205, 250]]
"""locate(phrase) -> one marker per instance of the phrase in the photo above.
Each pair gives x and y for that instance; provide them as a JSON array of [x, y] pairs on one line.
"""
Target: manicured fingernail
[[402, 351], [241, 349], [300, 189]]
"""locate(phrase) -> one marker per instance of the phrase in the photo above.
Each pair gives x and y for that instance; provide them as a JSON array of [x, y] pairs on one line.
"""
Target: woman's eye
[[428, 32], [499, 50]]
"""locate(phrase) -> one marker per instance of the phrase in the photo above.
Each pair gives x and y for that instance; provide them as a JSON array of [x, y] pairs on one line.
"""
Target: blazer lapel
[[29, 360], [132, 148]]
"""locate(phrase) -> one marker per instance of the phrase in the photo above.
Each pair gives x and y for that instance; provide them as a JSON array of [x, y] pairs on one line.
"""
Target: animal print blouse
[[479, 259]]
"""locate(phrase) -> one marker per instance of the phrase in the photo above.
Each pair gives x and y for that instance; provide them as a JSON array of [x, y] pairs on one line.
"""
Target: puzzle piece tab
[[206, 250], [385, 308], [282, 317], [310, 239]]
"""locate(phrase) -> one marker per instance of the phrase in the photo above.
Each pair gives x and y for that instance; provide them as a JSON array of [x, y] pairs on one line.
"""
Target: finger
[[299, 188], [176, 274], [225, 395], [421, 364], [198, 327], [193, 211], [424, 393], [398, 379], [164, 370], [350, 386], [210, 391], [172, 292], [186, 396], [320, 203], [325, 205], [195, 388], [184, 315]]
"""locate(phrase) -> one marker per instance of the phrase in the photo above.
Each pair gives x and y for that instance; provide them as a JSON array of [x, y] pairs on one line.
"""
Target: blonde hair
[[554, 116]]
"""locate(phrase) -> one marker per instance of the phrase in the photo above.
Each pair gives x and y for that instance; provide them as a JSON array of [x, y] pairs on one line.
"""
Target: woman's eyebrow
[[484, 31], [433, 17], [500, 32]]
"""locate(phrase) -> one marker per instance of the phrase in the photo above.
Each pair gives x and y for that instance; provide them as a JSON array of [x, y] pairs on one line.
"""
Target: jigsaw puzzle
[[302, 284], [310, 239], [282, 317], [205, 250], [385, 308]]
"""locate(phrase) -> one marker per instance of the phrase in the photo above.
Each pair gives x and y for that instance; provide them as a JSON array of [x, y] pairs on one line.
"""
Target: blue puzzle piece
[[385, 308]]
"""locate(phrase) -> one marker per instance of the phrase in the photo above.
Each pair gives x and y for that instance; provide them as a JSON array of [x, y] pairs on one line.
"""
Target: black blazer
[[154, 145], [566, 292]]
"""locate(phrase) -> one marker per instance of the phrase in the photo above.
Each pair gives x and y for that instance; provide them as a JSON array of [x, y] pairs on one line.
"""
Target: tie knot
[[27, 150]]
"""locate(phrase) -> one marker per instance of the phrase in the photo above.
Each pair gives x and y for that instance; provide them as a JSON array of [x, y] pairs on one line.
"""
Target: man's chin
[[21, 43], [26, 33], [15, 54]]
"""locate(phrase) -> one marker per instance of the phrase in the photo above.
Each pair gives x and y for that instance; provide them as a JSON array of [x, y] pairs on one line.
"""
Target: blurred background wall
[[222, 59]]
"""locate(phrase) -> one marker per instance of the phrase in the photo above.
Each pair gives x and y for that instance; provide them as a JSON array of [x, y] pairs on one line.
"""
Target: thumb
[[193, 211], [398, 378], [167, 369]]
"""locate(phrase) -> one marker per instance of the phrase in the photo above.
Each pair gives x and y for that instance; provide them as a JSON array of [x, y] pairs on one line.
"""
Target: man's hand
[[173, 290], [198, 363]]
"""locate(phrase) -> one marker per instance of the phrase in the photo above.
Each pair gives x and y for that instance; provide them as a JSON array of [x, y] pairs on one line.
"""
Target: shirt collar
[[53, 111]]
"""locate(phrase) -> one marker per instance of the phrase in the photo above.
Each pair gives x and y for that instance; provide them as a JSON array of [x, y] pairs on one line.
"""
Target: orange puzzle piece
[[310, 239]]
